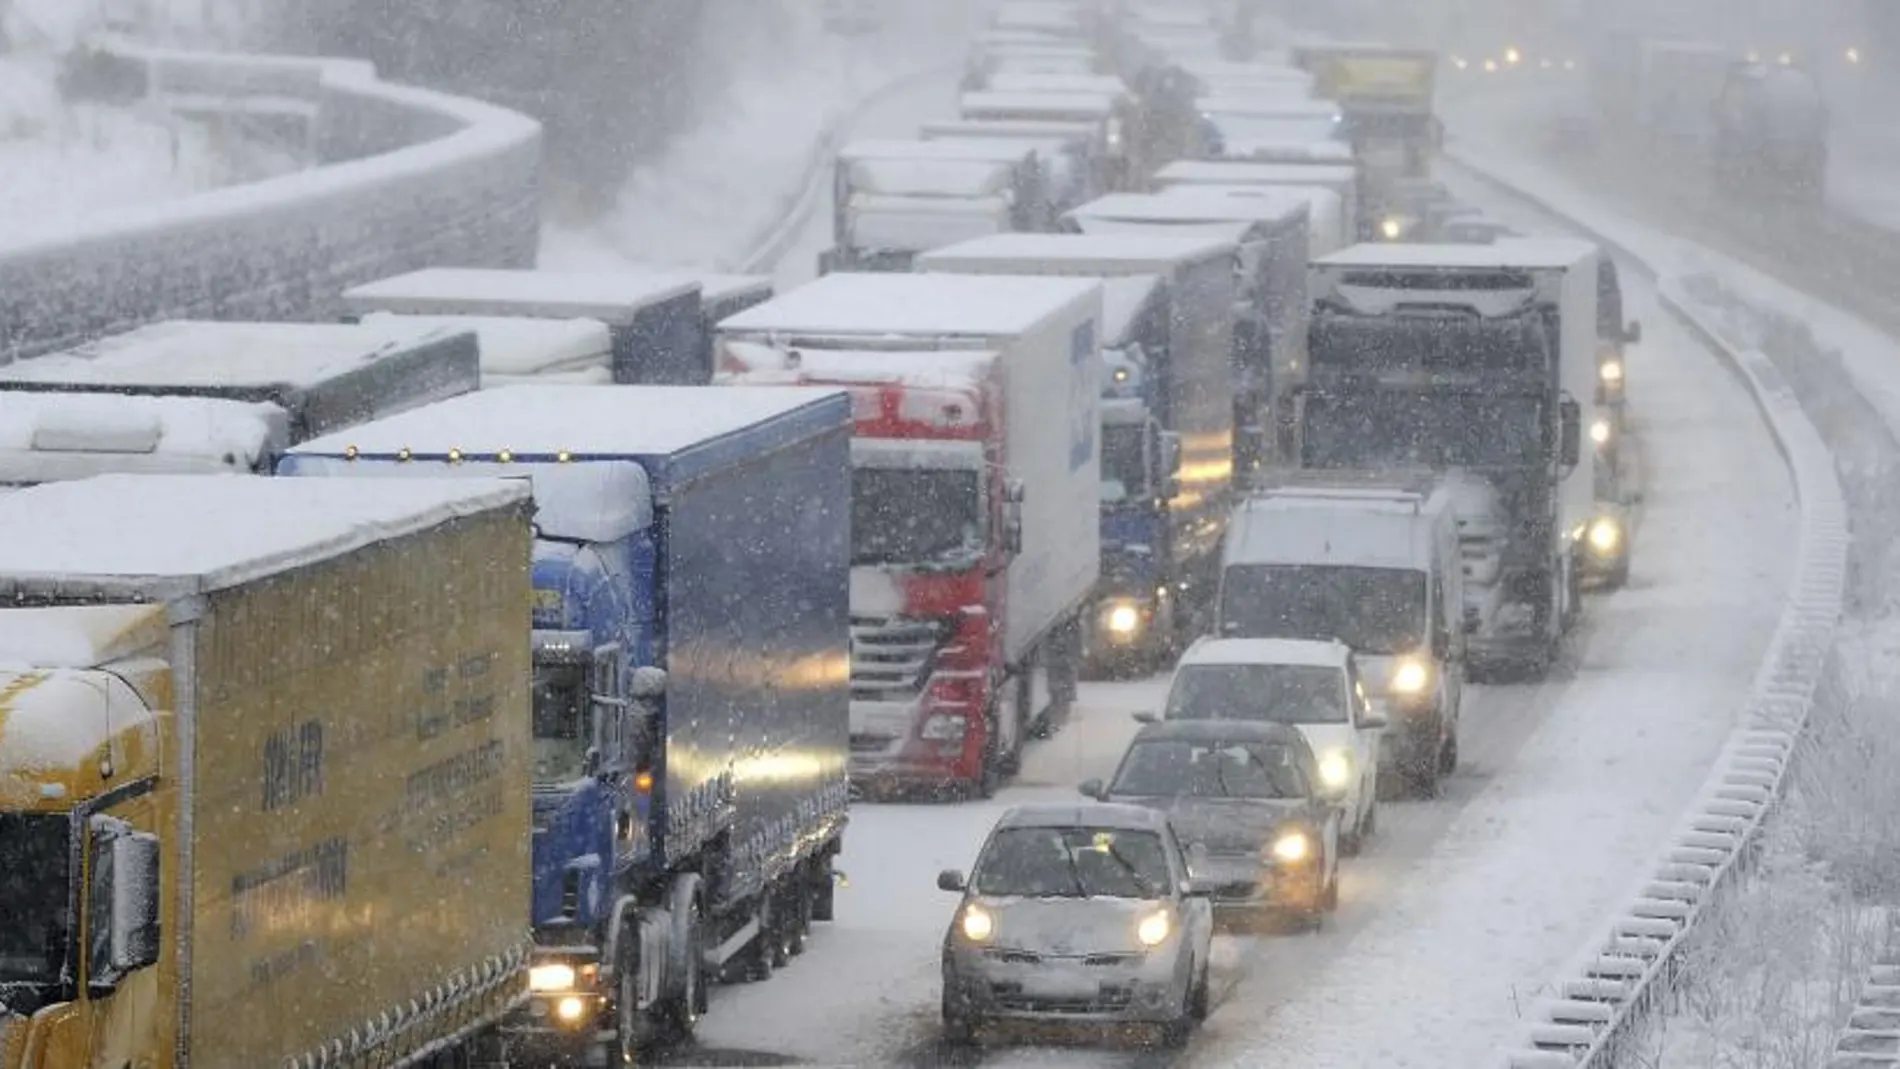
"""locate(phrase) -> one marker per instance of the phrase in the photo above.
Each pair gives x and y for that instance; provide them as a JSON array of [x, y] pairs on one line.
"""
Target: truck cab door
[[614, 735]]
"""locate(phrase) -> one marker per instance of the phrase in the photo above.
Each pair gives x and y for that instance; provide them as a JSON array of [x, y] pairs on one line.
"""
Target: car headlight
[[1390, 229], [1600, 431], [551, 978], [1123, 619], [1154, 929], [1293, 846], [1605, 534], [1410, 676], [1611, 371], [1335, 769], [977, 924]]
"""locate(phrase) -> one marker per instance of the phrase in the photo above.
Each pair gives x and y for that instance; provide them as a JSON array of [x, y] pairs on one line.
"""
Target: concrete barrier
[[407, 178]]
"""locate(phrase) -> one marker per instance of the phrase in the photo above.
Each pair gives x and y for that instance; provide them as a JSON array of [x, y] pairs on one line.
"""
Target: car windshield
[[1283, 693], [561, 736], [1124, 474], [915, 516], [1373, 610], [1179, 768], [1073, 862], [35, 897]]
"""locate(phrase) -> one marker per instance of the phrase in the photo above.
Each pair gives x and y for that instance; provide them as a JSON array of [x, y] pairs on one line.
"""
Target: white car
[[1313, 686]]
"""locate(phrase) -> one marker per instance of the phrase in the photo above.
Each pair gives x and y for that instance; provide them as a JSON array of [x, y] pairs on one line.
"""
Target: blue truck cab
[[654, 317], [691, 680]]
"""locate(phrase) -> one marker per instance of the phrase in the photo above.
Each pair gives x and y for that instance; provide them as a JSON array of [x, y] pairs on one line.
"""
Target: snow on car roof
[[598, 421], [199, 533], [1189, 205], [513, 345], [1514, 252], [202, 354], [46, 437], [1037, 103], [963, 149], [955, 305], [1244, 172], [613, 297], [1291, 651], [1113, 253], [1122, 299]]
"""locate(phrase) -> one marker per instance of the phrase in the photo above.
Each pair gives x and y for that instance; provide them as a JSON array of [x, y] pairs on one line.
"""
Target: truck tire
[[824, 888], [686, 964], [630, 1027]]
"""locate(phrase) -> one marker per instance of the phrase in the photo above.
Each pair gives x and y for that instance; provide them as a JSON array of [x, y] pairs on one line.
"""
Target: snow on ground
[[1530, 868], [718, 187]]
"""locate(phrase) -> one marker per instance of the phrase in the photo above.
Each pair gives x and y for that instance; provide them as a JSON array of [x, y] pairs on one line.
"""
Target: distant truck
[[1271, 302], [1167, 424], [1074, 155], [976, 473], [893, 199], [323, 376], [50, 437], [654, 319], [689, 681], [1771, 132], [1386, 97], [1479, 359], [228, 802], [1341, 179], [1372, 560], [1112, 114]]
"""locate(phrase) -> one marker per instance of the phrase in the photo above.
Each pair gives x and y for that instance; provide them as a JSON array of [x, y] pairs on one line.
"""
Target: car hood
[[1062, 927], [1222, 825], [1324, 737]]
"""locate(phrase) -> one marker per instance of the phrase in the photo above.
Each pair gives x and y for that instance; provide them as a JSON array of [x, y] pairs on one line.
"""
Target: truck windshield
[[1408, 428], [35, 897], [915, 516], [1374, 610], [561, 735], [1124, 468]]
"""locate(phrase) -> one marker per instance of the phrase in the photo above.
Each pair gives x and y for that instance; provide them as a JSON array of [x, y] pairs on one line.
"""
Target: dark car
[[1077, 913], [1245, 797]]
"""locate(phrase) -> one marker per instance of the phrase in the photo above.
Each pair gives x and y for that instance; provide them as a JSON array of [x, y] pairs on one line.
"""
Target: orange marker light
[[643, 782]]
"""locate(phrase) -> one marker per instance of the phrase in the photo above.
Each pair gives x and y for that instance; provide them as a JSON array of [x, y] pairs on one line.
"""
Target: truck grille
[[891, 657]]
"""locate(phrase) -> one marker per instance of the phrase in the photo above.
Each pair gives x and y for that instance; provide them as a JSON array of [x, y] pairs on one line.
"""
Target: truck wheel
[[686, 962], [796, 908], [1448, 755], [824, 890], [630, 1025], [757, 961]]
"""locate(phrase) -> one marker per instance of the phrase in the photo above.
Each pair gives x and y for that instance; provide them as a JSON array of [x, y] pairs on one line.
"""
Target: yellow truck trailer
[[264, 752]]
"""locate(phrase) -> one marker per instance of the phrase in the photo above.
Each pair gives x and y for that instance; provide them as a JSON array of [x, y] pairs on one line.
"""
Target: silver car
[[1077, 913], [1245, 798]]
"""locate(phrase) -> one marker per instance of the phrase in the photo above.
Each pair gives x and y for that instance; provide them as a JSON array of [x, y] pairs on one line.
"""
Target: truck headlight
[[977, 924], [1335, 769], [1154, 928], [1293, 846], [1410, 676], [1600, 431], [1124, 619], [1391, 228], [945, 728], [1611, 371], [1605, 534], [555, 977]]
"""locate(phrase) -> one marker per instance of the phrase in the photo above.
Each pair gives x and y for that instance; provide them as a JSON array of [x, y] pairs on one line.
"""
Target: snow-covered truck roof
[[1301, 652], [1111, 254], [1094, 105], [939, 369], [714, 287], [1008, 82], [1288, 148], [1370, 529], [1274, 205], [988, 150], [613, 297], [677, 432], [963, 178], [51, 437], [1248, 172], [971, 306], [324, 374], [1291, 106], [1519, 253], [1123, 298], [166, 536], [515, 347]]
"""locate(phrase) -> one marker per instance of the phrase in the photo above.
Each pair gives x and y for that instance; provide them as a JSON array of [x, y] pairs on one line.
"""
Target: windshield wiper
[[1142, 883]]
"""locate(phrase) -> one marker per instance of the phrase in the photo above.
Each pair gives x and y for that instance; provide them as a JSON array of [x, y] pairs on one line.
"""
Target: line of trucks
[[562, 614]]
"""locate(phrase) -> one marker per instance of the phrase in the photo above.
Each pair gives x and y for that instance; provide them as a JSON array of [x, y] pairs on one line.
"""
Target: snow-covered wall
[[410, 178]]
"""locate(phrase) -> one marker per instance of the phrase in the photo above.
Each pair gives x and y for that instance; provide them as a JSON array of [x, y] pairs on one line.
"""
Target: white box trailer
[[892, 199], [53, 437], [1047, 330], [1446, 352], [1073, 154], [1325, 219], [578, 352], [1341, 179]]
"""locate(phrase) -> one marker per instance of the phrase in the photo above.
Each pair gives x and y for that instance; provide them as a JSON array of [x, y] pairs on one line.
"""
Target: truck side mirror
[[1441, 644], [1170, 459], [122, 902], [1013, 535], [1169, 489], [1633, 333], [1570, 433], [647, 683], [1014, 491]]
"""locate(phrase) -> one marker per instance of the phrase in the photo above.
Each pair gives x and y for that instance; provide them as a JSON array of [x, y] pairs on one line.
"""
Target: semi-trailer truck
[[1479, 358], [976, 469], [264, 763], [1167, 424], [891, 200], [690, 671]]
